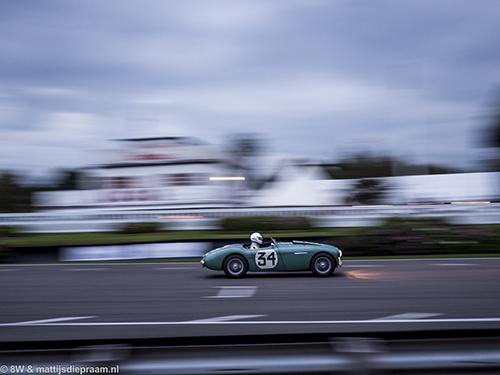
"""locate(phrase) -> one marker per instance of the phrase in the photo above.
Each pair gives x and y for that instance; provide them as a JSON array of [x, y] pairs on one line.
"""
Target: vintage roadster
[[236, 260]]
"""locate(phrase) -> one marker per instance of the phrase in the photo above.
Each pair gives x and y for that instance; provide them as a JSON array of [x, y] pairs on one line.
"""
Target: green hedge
[[9, 231], [266, 224], [141, 228], [396, 237], [422, 237]]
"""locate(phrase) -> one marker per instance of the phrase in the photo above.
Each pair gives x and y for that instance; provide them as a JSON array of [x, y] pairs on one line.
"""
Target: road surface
[[147, 300]]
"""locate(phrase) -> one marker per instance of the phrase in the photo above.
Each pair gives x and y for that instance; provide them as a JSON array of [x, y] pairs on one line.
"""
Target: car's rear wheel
[[322, 264], [235, 266]]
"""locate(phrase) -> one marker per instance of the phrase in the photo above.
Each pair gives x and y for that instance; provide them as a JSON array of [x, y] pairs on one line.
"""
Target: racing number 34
[[266, 259]]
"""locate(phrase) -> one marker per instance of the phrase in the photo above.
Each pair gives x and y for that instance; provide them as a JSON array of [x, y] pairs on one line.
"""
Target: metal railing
[[346, 355], [185, 219]]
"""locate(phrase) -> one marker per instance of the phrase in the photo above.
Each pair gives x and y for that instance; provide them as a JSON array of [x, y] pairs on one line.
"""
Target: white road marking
[[225, 318], [260, 322], [234, 292], [174, 268], [453, 264], [411, 316], [47, 321], [85, 269], [362, 265]]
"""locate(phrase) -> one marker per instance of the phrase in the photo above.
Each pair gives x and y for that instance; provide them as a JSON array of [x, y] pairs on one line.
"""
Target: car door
[[267, 259], [295, 256]]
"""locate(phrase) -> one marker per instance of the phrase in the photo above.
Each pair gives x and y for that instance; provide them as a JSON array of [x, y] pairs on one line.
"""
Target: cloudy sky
[[317, 79]]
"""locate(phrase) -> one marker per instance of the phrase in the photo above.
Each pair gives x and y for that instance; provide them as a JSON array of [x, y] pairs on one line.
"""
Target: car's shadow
[[275, 275]]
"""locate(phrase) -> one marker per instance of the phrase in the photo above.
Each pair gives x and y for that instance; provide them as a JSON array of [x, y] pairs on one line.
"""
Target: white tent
[[299, 185]]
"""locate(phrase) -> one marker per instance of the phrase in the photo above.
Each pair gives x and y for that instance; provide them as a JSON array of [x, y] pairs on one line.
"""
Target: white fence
[[189, 219]]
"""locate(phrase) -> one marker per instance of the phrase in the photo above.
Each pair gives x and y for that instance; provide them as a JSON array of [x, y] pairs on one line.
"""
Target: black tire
[[323, 265], [235, 266]]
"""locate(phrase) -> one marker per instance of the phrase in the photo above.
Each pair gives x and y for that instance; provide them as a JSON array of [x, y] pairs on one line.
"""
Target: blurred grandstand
[[192, 185]]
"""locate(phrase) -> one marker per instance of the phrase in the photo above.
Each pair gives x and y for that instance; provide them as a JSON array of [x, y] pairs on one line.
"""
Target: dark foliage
[[369, 191], [13, 196], [404, 236], [266, 224], [140, 228]]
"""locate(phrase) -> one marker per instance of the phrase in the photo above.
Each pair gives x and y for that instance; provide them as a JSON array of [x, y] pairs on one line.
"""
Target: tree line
[[15, 196]]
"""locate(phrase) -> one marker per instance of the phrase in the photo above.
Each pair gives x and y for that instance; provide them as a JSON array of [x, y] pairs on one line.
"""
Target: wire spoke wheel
[[235, 266], [322, 265]]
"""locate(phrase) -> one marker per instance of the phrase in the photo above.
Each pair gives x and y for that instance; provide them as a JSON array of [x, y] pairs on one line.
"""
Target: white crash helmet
[[256, 237]]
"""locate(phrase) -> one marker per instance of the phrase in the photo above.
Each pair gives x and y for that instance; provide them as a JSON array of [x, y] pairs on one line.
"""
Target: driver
[[256, 239]]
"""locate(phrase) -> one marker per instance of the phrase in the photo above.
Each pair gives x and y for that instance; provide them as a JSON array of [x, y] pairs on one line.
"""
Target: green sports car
[[236, 260]]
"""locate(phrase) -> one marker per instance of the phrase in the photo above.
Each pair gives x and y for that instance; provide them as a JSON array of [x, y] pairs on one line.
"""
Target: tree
[[369, 191], [13, 197], [365, 165], [244, 145], [67, 180], [490, 136], [245, 150]]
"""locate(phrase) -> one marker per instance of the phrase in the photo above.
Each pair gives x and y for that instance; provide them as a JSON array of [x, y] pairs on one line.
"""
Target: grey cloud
[[294, 70]]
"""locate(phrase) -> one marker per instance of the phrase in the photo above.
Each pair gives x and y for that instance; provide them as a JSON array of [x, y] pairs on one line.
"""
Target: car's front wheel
[[235, 266], [322, 265]]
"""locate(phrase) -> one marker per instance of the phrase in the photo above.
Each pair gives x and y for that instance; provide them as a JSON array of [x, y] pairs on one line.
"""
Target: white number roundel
[[266, 259]]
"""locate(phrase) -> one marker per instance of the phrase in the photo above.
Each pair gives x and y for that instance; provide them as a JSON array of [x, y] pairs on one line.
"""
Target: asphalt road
[[146, 300]]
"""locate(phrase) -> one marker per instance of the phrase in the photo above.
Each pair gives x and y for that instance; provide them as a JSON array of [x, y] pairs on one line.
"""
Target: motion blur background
[[162, 110], [163, 129], [316, 81], [192, 104], [249, 104]]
